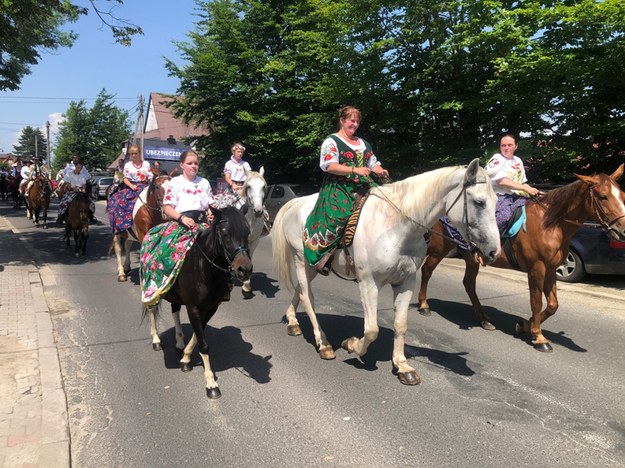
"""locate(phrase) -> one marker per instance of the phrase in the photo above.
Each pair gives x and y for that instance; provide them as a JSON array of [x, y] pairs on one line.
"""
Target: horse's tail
[[282, 252]]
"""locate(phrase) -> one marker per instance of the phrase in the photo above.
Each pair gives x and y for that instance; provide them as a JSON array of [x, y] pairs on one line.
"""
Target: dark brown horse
[[38, 200], [539, 249], [14, 191], [148, 212], [77, 222], [219, 253]]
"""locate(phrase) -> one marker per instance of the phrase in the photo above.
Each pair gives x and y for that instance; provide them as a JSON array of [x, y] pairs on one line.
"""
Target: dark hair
[[508, 134], [184, 155]]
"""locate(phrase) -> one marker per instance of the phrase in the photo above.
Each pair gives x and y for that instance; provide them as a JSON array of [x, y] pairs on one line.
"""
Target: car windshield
[[302, 190]]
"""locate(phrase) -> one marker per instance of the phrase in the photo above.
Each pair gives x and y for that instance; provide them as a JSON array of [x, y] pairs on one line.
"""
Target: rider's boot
[[324, 265]]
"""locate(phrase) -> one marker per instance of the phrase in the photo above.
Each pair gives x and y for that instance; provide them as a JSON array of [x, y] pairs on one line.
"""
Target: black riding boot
[[324, 265]]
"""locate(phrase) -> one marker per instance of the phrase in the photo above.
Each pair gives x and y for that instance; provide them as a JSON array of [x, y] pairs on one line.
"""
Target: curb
[[581, 288], [55, 448]]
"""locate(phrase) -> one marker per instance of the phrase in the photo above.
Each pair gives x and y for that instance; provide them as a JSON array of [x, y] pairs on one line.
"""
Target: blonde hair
[[136, 149], [237, 146]]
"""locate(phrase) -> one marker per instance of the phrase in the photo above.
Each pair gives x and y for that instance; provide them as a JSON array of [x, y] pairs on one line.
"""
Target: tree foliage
[[95, 134], [29, 27], [437, 81], [32, 142]]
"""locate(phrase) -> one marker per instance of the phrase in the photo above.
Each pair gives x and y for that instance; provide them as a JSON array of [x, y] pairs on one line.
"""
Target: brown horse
[[148, 212], [77, 222], [539, 249], [38, 200]]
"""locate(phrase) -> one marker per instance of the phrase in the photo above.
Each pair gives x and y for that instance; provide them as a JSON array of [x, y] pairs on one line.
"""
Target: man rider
[[35, 169]]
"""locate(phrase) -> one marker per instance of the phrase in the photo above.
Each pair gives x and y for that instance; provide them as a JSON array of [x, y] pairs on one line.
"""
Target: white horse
[[389, 247], [251, 203]]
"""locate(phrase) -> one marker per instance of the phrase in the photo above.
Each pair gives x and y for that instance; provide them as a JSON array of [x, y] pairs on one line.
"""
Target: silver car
[[279, 194]]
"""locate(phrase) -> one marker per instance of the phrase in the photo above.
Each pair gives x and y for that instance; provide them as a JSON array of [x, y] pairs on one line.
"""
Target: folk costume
[[165, 246], [326, 223], [121, 203], [75, 183], [507, 200], [236, 170]]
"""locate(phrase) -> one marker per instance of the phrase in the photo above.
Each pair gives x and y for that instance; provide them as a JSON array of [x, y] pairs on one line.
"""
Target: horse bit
[[229, 256]]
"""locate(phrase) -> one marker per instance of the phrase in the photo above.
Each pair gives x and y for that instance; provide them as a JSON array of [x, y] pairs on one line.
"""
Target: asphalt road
[[486, 399]]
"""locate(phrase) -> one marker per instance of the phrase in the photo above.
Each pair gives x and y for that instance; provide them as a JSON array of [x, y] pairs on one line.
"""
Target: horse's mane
[[415, 195], [558, 202]]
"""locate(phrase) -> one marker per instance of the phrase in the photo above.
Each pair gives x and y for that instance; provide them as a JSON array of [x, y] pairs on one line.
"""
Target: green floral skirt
[[162, 254]]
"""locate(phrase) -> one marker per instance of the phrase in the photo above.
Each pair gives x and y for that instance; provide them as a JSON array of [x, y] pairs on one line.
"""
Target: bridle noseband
[[229, 256]]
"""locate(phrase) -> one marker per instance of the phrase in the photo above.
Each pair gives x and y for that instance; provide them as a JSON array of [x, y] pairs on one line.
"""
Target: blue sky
[[96, 62]]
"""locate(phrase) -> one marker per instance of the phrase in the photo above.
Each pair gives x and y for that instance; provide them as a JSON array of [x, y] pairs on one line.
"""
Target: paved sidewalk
[[34, 430]]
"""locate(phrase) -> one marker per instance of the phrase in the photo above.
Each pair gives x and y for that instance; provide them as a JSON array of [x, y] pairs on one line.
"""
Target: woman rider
[[137, 175], [347, 161], [187, 202]]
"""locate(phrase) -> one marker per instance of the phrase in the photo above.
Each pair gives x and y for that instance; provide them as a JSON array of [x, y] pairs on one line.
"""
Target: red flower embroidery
[[348, 155], [327, 157]]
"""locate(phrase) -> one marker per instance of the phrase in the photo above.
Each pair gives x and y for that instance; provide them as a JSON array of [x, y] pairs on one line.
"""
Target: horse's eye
[[479, 203]]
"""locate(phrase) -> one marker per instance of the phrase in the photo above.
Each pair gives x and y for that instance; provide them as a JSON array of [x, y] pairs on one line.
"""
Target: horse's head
[[254, 191], [232, 234], [607, 201], [156, 191], [471, 208]]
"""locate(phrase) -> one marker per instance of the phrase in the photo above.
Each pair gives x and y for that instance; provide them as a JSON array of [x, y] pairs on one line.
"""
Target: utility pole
[[36, 150], [48, 149]]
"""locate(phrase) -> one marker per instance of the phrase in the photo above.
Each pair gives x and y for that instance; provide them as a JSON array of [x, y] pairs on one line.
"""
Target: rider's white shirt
[[25, 172], [236, 169], [140, 174], [70, 166], [185, 195], [501, 167], [75, 180]]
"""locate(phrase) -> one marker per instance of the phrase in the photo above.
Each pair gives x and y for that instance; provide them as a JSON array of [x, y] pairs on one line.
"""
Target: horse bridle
[[230, 256], [159, 203], [600, 212]]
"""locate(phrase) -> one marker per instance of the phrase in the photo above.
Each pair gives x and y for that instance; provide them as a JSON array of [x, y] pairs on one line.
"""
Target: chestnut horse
[[38, 200], [541, 247], [77, 222], [147, 213]]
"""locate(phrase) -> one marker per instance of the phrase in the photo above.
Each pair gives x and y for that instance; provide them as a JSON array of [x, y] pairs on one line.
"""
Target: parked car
[[592, 251], [99, 186], [279, 194]]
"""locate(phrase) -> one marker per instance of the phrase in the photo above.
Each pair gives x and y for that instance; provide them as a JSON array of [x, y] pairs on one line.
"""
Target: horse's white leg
[[179, 333], [156, 341], [185, 360], [212, 389], [369, 298], [403, 294], [305, 276], [246, 290], [121, 276], [293, 327]]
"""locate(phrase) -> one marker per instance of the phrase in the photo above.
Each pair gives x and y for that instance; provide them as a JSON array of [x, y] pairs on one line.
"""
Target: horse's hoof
[[348, 344], [213, 393], [409, 378], [157, 347], [486, 325], [425, 311], [294, 330], [186, 367], [327, 353], [247, 294], [122, 278], [543, 347]]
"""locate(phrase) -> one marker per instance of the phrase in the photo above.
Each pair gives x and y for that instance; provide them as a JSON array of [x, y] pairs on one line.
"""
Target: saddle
[[515, 223]]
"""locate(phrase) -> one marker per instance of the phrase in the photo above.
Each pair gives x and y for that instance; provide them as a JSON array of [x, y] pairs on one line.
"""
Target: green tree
[[437, 81], [95, 134], [28, 27], [31, 142]]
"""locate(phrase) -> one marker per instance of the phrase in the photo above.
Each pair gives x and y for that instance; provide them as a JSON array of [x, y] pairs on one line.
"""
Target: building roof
[[160, 123]]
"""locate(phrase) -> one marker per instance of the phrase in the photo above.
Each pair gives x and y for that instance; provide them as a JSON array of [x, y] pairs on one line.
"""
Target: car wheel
[[572, 270]]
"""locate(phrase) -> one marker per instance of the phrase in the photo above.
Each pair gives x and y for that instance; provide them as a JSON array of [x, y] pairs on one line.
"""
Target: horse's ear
[[616, 175], [471, 174], [590, 180], [174, 172], [262, 171], [243, 209]]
